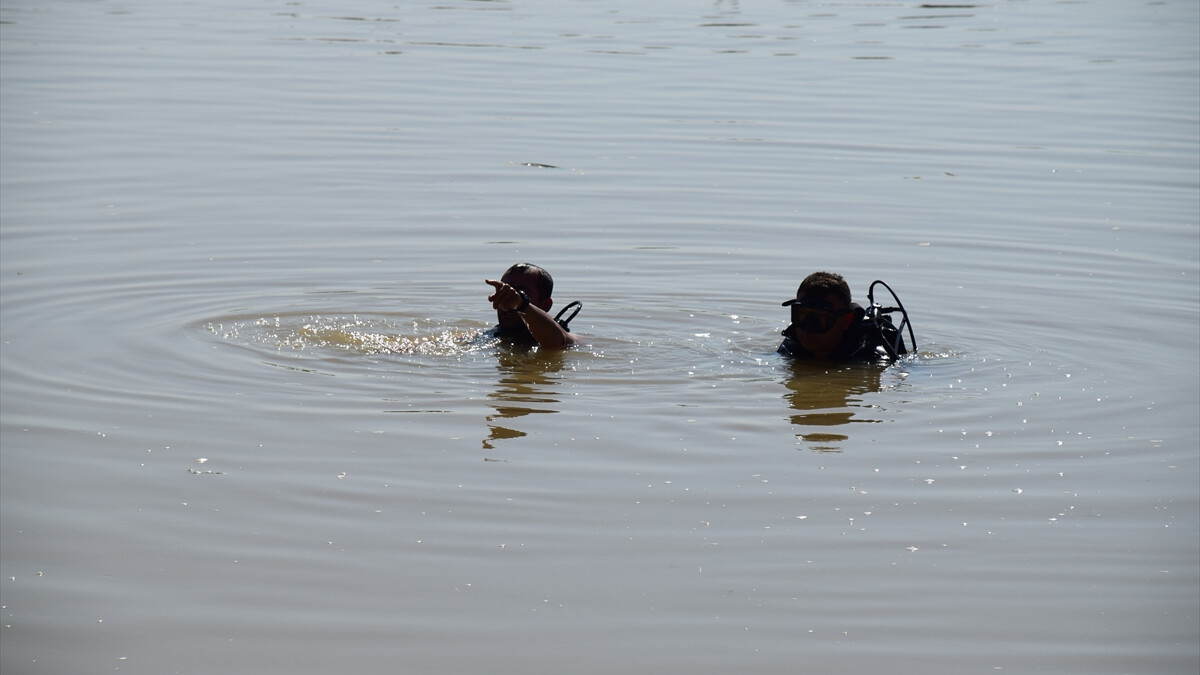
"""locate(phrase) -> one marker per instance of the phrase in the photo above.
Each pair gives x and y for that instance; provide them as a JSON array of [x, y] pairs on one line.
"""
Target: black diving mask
[[814, 317]]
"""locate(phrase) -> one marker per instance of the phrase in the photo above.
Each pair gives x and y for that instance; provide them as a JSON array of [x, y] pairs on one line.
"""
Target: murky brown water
[[249, 425]]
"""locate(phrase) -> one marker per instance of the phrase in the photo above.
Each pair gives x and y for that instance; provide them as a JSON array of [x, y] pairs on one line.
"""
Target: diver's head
[[821, 313], [534, 282]]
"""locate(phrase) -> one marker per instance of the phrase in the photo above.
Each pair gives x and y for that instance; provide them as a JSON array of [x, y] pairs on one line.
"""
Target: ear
[[546, 304]]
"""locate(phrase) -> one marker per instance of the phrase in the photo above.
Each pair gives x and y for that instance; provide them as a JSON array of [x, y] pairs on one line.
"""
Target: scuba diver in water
[[827, 325], [522, 302]]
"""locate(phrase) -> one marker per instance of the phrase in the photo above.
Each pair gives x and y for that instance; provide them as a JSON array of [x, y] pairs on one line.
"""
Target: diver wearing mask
[[828, 325]]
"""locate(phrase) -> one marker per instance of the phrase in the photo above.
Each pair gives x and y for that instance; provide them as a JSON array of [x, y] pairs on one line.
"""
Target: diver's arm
[[545, 329], [541, 325]]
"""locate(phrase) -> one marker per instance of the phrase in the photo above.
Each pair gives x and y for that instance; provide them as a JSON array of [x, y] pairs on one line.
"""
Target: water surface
[[251, 421]]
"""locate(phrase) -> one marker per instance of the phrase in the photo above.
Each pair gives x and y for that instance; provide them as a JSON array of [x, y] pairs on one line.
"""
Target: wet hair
[[826, 284], [542, 279]]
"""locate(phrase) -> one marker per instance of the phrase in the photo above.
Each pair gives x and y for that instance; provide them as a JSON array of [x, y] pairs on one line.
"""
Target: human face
[[819, 322], [524, 282], [528, 284]]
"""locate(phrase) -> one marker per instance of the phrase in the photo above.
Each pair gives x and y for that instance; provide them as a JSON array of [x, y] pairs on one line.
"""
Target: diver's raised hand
[[506, 298]]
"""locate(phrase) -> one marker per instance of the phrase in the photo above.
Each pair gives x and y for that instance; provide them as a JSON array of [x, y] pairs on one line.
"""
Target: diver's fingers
[[499, 287]]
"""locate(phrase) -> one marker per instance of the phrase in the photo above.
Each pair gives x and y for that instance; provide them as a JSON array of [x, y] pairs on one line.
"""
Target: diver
[[522, 301], [828, 325]]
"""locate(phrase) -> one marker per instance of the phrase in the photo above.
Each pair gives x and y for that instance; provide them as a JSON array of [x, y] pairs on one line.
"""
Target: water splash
[[351, 334]]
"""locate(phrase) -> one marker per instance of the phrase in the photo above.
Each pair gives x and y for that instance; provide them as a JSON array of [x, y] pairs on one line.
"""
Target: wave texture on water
[[252, 418]]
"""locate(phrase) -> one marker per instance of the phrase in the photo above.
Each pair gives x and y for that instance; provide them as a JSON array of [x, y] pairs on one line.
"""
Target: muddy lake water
[[251, 422]]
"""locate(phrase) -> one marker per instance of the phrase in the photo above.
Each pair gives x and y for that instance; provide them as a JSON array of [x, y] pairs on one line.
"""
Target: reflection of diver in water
[[522, 300], [525, 387], [824, 398], [827, 326]]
